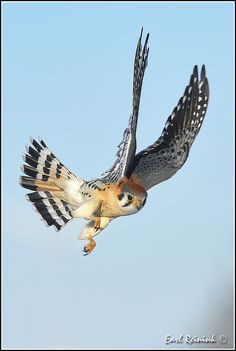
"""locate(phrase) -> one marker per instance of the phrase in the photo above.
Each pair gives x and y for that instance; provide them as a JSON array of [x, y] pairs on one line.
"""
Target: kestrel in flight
[[59, 196]]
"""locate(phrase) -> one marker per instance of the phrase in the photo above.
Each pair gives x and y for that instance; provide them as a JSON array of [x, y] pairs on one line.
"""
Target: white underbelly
[[86, 210]]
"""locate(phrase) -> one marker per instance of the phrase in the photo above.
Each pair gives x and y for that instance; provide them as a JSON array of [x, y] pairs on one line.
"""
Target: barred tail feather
[[53, 211], [44, 162], [47, 177]]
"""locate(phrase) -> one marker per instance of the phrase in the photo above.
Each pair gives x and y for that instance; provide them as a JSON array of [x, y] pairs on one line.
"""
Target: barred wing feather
[[127, 148], [166, 156]]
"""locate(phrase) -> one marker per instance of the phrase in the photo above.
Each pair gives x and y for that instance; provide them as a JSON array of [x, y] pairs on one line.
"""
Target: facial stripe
[[127, 204], [120, 196]]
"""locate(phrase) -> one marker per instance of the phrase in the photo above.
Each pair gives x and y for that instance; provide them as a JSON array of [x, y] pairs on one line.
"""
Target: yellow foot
[[88, 248]]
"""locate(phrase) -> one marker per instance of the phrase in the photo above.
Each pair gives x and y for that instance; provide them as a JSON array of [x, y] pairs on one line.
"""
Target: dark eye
[[130, 197]]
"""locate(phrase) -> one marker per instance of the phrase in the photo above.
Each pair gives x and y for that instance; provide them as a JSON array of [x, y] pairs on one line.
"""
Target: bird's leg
[[97, 218], [95, 226], [89, 232], [97, 223], [88, 248]]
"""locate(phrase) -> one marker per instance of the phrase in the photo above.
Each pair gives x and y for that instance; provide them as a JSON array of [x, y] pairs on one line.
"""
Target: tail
[[48, 178]]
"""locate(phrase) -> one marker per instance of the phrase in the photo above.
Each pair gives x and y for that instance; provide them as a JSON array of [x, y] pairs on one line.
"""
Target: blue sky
[[67, 76]]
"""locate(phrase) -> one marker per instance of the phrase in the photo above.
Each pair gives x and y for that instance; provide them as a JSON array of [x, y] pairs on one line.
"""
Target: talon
[[88, 248]]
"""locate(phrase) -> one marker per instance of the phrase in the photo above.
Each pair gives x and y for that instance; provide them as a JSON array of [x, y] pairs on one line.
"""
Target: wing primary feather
[[123, 165]]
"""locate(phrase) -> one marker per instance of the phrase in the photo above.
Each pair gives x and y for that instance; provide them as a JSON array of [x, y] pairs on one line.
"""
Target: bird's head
[[131, 196]]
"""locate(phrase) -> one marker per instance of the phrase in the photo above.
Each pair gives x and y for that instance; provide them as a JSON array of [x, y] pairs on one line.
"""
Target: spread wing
[[166, 156], [127, 148]]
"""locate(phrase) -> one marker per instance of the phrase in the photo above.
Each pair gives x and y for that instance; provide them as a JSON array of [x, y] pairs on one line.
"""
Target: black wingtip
[[141, 34], [194, 76], [195, 71], [206, 84], [140, 37], [203, 72], [147, 37]]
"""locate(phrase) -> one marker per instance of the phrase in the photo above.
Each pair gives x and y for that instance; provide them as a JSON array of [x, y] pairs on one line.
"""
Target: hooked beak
[[138, 204]]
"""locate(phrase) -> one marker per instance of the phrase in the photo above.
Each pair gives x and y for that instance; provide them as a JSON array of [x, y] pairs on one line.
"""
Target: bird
[[60, 196]]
